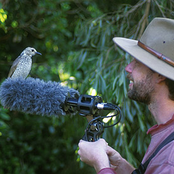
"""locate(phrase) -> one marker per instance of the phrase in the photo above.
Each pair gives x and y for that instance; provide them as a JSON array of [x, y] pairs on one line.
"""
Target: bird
[[22, 64]]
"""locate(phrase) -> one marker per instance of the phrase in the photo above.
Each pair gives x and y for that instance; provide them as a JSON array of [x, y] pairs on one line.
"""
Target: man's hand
[[94, 154], [99, 155], [119, 164], [114, 157]]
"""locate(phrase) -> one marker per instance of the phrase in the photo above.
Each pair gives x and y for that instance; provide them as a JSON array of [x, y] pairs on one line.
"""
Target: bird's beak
[[38, 53]]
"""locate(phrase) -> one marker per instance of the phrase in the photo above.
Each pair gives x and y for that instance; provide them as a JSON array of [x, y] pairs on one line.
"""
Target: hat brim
[[131, 47]]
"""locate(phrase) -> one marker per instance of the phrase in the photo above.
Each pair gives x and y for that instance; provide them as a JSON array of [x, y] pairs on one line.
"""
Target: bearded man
[[151, 75]]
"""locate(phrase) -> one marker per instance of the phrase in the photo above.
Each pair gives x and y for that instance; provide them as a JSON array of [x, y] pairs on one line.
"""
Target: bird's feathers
[[14, 65]]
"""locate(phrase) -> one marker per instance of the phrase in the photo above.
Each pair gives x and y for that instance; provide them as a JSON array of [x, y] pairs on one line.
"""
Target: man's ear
[[160, 78]]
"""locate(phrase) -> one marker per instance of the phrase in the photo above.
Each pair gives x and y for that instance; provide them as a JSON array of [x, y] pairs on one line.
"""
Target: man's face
[[141, 82]]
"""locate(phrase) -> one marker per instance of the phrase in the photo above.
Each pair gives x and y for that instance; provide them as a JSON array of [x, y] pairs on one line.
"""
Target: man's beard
[[142, 90]]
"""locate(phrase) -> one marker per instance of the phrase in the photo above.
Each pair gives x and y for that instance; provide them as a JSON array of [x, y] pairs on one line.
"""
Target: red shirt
[[163, 162]]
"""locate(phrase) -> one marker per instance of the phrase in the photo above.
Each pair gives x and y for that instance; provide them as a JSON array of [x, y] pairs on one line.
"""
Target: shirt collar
[[157, 128]]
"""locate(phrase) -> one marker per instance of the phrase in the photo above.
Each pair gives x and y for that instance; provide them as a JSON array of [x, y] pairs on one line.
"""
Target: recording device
[[35, 96]]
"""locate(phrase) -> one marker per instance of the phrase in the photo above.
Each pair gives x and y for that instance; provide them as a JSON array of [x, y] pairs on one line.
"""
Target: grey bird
[[22, 65]]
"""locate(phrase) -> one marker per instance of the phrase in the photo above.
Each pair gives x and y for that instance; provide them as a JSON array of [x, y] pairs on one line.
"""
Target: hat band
[[155, 53]]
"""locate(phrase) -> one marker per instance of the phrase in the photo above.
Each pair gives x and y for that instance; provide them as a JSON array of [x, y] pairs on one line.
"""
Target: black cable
[[118, 111]]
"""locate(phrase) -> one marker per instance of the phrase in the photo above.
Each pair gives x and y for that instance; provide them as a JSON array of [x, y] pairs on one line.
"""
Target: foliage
[[75, 39]]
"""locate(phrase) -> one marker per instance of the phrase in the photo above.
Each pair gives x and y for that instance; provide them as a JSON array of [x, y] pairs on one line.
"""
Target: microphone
[[35, 96]]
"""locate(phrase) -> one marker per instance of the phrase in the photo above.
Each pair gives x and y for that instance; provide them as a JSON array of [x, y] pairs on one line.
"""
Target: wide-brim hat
[[155, 48]]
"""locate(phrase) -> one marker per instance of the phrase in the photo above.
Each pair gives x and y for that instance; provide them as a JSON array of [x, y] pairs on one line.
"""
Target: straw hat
[[155, 48]]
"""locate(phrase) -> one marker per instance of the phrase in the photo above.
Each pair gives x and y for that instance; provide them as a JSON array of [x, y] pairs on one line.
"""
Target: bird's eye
[[32, 50]]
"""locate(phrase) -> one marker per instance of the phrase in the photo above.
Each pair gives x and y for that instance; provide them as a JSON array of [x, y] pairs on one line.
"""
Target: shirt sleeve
[[107, 171]]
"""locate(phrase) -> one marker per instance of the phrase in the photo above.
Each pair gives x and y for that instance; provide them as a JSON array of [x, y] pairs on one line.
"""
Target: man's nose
[[129, 68]]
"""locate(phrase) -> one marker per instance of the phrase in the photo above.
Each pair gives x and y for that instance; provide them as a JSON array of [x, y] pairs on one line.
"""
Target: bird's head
[[31, 51]]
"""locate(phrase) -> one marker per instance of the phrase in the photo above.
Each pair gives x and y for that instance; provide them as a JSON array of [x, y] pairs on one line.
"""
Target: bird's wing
[[14, 66]]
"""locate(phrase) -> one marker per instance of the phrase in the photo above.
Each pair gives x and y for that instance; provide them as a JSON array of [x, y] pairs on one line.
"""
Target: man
[[151, 75]]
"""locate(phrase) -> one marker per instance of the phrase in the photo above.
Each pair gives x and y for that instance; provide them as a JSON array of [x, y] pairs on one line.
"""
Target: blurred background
[[75, 39]]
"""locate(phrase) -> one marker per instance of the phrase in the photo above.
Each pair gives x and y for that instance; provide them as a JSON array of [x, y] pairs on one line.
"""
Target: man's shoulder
[[163, 162], [165, 155]]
